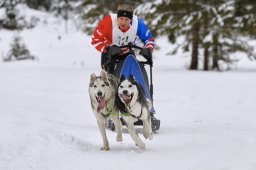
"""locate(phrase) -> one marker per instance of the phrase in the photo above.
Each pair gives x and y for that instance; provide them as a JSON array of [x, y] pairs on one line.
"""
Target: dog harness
[[109, 112], [107, 115], [122, 114], [130, 114]]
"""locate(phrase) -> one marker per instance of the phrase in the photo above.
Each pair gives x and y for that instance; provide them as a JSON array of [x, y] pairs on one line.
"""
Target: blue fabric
[[131, 67], [143, 31]]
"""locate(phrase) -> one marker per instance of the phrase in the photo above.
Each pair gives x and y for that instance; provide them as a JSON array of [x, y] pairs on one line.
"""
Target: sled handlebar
[[130, 46], [146, 53]]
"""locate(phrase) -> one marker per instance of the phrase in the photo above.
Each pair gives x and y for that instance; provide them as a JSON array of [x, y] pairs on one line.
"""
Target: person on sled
[[122, 29], [118, 30]]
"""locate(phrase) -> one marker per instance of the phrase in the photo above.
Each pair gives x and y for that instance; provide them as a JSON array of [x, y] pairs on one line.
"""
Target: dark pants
[[116, 67]]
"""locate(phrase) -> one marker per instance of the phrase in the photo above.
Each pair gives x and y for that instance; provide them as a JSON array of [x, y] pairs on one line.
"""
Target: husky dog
[[102, 91], [132, 103]]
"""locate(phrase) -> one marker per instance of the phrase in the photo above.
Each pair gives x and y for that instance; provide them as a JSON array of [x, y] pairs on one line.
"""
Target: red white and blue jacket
[[107, 33]]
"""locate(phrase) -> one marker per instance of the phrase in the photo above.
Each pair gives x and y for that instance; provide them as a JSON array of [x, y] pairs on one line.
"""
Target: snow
[[46, 121]]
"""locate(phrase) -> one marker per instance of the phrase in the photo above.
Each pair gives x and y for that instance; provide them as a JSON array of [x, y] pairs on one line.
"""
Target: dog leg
[[150, 128], [118, 128], [135, 137], [147, 129], [101, 124]]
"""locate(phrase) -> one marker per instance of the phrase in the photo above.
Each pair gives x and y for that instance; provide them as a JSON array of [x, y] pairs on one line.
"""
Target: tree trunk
[[215, 64], [195, 42], [206, 44], [206, 56]]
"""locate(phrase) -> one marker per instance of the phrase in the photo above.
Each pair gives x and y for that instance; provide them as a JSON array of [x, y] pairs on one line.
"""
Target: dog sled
[[132, 66]]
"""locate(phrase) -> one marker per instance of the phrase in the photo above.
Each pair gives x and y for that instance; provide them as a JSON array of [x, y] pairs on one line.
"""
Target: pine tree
[[39, 4], [94, 11], [18, 50], [176, 18], [206, 25], [245, 13], [10, 22]]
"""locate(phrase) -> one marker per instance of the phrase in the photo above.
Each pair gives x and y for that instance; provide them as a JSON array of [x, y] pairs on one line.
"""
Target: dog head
[[128, 90], [99, 89]]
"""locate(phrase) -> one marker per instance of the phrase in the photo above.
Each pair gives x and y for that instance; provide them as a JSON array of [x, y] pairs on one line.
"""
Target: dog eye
[[121, 87], [94, 86], [103, 85], [130, 86]]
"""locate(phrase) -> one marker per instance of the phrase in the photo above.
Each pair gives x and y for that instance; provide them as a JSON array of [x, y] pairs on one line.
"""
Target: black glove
[[146, 52], [113, 50]]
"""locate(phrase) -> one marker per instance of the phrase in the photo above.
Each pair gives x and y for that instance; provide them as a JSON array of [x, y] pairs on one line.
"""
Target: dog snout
[[99, 93], [125, 92]]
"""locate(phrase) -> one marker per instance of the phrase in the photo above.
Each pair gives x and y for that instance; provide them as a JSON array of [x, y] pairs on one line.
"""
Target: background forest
[[211, 31]]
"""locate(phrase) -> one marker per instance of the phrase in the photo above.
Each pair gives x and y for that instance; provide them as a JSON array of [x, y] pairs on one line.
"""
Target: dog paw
[[150, 136], [119, 138], [145, 135], [141, 146], [105, 148]]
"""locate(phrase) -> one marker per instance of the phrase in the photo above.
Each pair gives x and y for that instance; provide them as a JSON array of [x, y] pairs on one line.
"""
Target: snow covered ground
[[46, 121]]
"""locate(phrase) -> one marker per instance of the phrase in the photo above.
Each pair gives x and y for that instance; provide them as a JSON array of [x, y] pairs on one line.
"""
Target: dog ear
[[93, 78], [132, 79], [122, 78], [103, 75]]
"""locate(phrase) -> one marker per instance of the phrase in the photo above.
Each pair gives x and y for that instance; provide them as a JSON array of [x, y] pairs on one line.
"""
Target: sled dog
[[133, 105], [102, 91]]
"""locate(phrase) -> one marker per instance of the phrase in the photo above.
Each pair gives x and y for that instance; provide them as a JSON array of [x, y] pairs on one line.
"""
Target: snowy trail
[[47, 123]]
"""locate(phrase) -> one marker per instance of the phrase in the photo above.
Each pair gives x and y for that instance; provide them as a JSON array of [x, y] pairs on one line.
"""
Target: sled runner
[[131, 66]]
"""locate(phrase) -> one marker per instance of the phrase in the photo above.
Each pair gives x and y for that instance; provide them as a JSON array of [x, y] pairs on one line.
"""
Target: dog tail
[[149, 104]]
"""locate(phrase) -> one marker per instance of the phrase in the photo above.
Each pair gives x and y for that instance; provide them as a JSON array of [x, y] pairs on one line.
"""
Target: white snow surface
[[46, 122]]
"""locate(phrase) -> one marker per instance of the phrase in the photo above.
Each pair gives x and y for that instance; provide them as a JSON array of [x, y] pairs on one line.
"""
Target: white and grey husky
[[102, 91], [132, 101]]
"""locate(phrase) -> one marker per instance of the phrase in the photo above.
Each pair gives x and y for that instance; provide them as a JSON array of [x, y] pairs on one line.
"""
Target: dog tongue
[[101, 104]]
